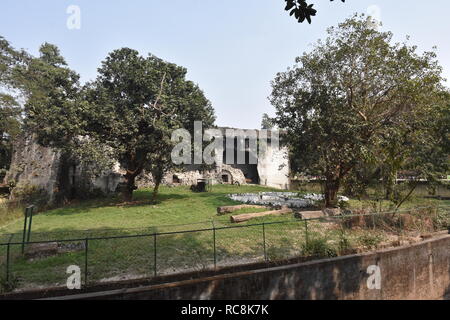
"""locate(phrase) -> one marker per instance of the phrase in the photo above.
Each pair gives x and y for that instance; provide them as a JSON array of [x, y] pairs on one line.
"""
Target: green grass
[[179, 209], [177, 206], [9, 211]]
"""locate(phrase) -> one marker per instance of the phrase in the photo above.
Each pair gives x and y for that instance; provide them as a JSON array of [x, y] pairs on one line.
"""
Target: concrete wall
[[420, 271]]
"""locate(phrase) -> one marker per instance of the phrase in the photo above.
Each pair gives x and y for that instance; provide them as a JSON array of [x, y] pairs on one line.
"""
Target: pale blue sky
[[232, 48]]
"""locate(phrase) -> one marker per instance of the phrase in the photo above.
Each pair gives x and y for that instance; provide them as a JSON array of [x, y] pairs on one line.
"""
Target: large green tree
[[137, 102], [353, 92]]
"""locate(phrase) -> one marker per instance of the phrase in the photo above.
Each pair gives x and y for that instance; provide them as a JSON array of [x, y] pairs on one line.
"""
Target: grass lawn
[[179, 209]]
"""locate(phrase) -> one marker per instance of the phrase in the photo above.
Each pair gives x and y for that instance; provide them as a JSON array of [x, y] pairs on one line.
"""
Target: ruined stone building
[[34, 166]]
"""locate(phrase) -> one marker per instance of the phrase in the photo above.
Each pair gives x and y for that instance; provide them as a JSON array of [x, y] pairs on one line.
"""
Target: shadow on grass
[[89, 205]]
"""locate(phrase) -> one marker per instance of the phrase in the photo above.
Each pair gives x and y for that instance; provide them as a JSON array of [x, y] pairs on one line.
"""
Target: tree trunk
[[331, 191], [155, 192], [129, 187], [390, 182]]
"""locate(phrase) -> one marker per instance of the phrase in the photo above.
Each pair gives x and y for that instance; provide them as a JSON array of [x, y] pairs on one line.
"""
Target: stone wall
[[191, 174], [47, 170]]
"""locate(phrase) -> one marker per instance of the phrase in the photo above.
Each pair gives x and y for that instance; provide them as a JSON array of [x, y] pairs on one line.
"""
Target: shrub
[[318, 247], [344, 243], [30, 194]]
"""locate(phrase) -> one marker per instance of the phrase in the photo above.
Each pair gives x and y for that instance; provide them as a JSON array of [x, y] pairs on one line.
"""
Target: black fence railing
[[149, 254]]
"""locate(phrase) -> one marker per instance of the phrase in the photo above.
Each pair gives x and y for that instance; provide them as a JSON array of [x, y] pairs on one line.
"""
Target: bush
[[370, 241], [441, 220], [318, 247], [10, 210], [344, 243]]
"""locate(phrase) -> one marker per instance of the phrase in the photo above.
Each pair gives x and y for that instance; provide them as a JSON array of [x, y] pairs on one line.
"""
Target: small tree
[[349, 94]]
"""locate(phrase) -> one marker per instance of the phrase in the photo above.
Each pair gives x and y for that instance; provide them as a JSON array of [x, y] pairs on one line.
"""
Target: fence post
[[264, 241], [29, 225], [7, 261], [214, 241], [86, 248], [306, 233], [24, 229], [8, 257], [154, 253]]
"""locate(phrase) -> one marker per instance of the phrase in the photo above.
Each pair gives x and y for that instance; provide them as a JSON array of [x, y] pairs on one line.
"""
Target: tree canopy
[[126, 115], [137, 102], [354, 94], [10, 109]]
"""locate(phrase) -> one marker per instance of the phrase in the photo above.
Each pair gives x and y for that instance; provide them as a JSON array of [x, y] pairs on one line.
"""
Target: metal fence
[[112, 256]]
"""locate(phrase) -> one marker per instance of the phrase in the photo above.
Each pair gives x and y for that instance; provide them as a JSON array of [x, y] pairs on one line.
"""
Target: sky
[[232, 49]]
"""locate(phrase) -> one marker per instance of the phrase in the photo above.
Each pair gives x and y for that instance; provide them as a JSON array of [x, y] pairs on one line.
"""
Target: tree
[[301, 10], [52, 106], [10, 109], [350, 93], [136, 103], [55, 113]]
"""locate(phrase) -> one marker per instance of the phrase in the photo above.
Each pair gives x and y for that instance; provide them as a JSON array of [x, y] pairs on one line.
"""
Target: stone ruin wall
[[34, 165], [191, 174], [45, 171]]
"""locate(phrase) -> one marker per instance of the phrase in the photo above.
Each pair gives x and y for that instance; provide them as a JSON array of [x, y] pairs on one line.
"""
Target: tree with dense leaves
[[348, 96], [137, 102], [55, 113], [10, 109], [52, 107], [301, 10]]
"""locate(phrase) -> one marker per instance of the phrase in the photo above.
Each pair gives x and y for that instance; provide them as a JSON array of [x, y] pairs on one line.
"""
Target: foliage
[[54, 112], [126, 115], [267, 122], [10, 285], [318, 247], [370, 241], [136, 103], [301, 10], [344, 242], [353, 95]]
